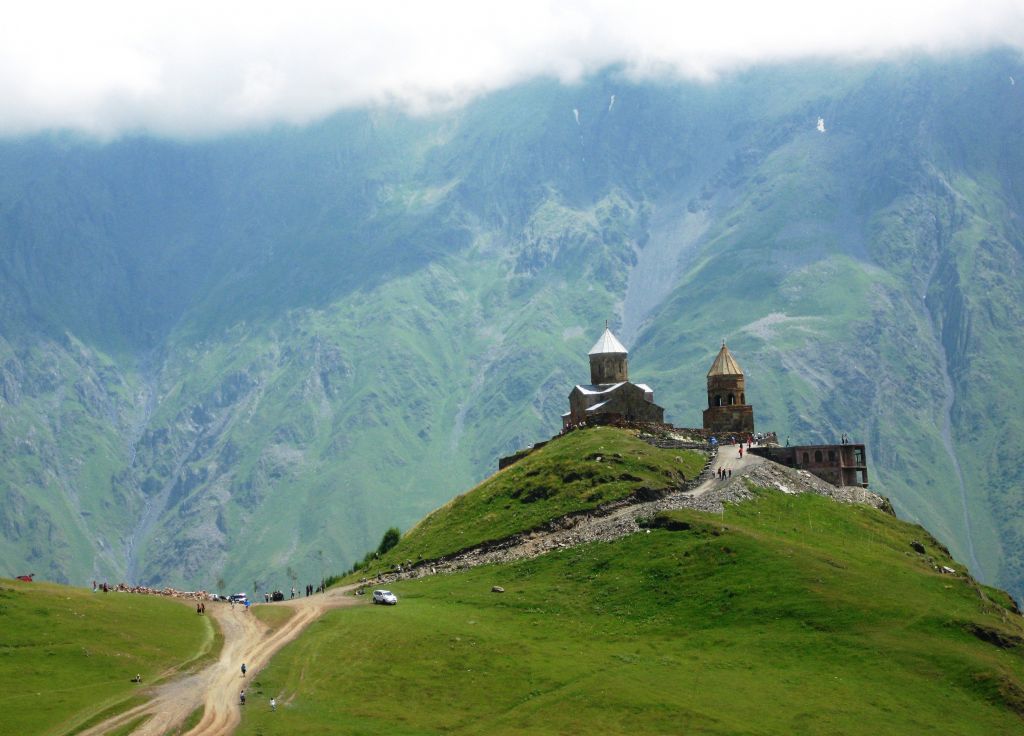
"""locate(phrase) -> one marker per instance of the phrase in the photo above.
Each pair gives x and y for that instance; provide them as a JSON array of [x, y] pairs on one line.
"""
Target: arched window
[[832, 455], [807, 459], [743, 399], [718, 401], [732, 399], [817, 456]]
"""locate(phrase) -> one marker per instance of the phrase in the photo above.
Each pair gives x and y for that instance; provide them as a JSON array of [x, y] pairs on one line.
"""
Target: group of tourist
[[241, 693]]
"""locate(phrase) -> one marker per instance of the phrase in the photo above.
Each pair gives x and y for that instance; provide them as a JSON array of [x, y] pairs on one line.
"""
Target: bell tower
[[727, 410]]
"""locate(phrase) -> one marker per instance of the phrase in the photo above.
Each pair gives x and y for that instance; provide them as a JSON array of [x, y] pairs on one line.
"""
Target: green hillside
[[67, 654], [789, 614], [577, 471], [245, 358]]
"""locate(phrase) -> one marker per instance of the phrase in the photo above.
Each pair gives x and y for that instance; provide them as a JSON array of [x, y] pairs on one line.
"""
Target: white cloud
[[200, 68]]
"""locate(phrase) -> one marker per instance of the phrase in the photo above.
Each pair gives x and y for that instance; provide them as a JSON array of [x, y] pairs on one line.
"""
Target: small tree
[[391, 537]]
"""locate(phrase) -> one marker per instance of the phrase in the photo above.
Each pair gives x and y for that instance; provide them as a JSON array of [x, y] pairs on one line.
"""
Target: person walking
[[273, 704], [243, 669]]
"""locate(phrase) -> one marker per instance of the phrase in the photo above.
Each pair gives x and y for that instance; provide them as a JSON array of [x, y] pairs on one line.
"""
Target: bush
[[389, 540], [391, 537]]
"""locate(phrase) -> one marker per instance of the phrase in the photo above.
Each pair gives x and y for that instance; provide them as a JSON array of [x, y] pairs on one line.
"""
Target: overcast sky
[[203, 68]]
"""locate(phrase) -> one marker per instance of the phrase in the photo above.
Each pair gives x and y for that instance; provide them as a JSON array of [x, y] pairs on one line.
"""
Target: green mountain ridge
[[243, 359]]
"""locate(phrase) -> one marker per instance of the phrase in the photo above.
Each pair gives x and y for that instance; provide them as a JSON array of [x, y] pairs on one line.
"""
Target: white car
[[385, 597]]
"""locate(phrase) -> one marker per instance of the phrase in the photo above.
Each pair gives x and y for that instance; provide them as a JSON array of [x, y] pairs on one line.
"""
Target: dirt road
[[216, 688]]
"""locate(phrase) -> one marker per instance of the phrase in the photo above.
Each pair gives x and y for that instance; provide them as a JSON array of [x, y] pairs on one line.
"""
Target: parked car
[[385, 597], [238, 598]]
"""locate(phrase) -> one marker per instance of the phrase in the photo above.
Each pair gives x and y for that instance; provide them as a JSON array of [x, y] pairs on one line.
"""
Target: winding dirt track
[[216, 688]]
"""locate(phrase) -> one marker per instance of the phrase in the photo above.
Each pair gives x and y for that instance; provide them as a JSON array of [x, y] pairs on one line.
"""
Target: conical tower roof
[[725, 364], [608, 343]]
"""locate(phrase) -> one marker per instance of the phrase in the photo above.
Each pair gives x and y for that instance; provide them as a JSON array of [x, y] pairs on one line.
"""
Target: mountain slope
[[245, 358]]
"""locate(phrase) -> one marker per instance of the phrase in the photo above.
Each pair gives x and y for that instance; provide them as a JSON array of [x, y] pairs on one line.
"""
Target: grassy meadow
[[787, 614], [577, 471], [67, 654]]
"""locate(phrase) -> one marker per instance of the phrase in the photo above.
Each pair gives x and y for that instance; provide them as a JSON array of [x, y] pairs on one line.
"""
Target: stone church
[[728, 410], [610, 395]]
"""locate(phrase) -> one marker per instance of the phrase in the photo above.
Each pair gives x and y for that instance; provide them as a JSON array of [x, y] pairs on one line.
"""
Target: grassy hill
[[573, 472], [67, 654], [785, 614]]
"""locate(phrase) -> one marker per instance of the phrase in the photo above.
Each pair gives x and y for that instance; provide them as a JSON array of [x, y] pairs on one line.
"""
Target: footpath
[[216, 688], [708, 492]]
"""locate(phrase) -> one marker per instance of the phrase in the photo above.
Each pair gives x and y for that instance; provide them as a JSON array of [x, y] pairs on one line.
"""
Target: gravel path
[[613, 521]]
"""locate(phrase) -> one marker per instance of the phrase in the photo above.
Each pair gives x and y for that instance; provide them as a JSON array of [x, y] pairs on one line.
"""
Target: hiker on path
[[243, 669], [241, 697], [273, 704]]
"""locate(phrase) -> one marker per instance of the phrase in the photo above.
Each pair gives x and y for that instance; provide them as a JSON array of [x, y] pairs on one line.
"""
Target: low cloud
[[199, 69]]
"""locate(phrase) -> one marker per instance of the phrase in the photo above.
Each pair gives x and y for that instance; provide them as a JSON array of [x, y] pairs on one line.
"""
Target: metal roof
[[608, 343], [592, 388], [725, 364]]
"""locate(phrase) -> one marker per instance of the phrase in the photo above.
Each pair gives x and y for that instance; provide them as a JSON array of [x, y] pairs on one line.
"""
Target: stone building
[[610, 395], [728, 411], [840, 465]]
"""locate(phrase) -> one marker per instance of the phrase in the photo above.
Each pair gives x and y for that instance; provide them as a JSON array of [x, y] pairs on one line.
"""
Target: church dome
[[725, 364], [608, 344]]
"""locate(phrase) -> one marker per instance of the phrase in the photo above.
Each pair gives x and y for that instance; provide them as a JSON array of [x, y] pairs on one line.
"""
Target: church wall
[[629, 403]]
